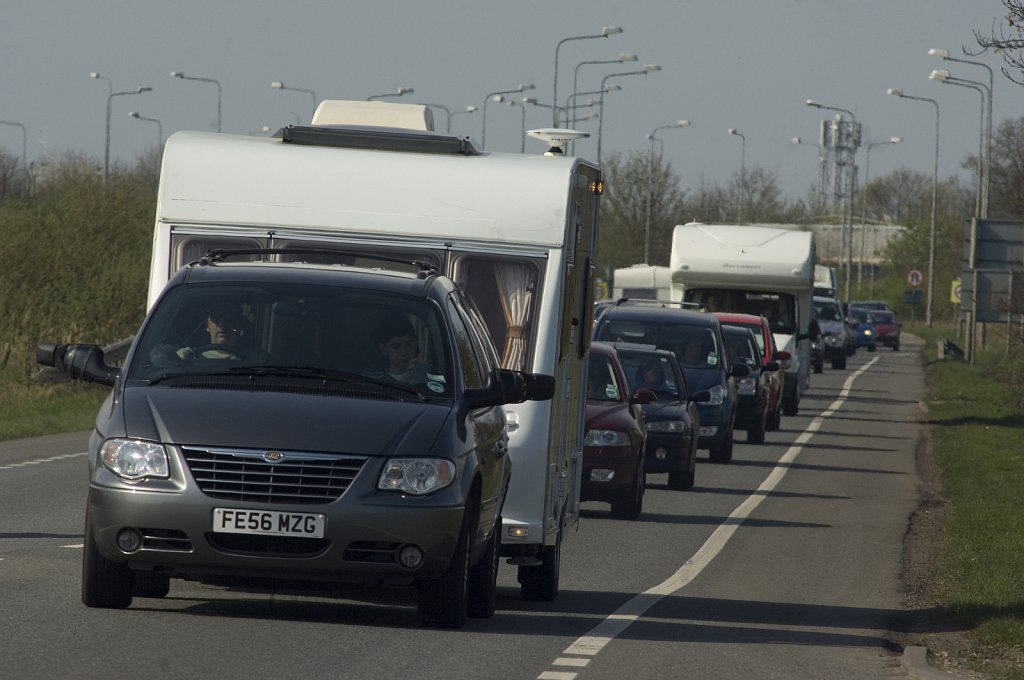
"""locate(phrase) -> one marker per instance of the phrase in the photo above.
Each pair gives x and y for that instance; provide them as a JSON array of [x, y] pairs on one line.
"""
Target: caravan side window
[[505, 294]]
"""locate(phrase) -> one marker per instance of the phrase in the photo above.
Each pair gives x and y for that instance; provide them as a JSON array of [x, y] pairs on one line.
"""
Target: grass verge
[[978, 445], [39, 410]]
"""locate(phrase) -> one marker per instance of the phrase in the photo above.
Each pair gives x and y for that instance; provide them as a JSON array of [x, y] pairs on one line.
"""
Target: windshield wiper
[[320, 373]]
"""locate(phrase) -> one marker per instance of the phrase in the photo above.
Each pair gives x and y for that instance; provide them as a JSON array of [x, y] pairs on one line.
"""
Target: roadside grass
[[978, 443], [47, 409]]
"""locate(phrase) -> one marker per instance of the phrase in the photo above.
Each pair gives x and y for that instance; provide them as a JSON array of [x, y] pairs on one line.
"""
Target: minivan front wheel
[[442, 602], [483, 579], [105, 584]]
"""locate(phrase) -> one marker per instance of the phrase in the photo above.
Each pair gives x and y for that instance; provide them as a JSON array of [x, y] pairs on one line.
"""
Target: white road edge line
[[43, 460], [595, 640]]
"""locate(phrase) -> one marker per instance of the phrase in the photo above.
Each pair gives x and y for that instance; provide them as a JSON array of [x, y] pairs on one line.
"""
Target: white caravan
[[767, 271], [516, 232], [644, 281]]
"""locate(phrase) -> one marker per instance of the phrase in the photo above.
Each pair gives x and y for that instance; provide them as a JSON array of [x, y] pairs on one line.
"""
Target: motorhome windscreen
[[284, 330], [505, 293], [778, 308]]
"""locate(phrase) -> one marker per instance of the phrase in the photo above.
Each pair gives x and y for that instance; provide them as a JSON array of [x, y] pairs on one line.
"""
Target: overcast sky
[[744, 64]]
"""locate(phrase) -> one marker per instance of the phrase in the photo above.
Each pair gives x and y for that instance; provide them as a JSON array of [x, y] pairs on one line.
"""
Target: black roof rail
[[695, 306], [379, 138], [216, 255]]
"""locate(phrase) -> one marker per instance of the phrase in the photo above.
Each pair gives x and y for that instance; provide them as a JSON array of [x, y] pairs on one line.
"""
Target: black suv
[[301, 421], [695, 337]]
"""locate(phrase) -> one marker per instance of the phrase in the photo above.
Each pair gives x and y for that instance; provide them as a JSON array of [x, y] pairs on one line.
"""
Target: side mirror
[[644, 396], [771, 366], [701, 397], [739, 370], [511, 387], [783, 355], [81, 362], [539, 386]]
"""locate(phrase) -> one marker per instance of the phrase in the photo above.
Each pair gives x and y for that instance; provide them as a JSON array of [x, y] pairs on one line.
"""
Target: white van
[[767, 271], [643, 281], [516, 232]]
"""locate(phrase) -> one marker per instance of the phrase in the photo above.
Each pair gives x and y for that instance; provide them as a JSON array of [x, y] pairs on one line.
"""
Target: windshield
[[695, 346], [295, 330], [650, 372], [778, 308], [827, 311]]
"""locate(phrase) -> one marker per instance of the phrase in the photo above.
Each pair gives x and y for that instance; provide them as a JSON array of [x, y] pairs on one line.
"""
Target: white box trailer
[[760, 270], [644, 281], [516, 232]]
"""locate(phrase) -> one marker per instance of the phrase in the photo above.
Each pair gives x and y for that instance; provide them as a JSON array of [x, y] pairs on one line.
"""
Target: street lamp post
[[534, 102], [944, 54], [851, 163], [106, 145], [468, 109], [278, 85], [743, 171], [605, 32], [159, 126], [864, 204], [110, 83], [24, 144], [942, 75], [522, 110], [622, 58], [682, 122], [181, 74], [648, 68], [896, 92], [398, 93], [498, 97]]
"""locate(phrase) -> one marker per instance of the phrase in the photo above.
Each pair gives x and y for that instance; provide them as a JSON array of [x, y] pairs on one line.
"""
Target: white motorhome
[[644, 281], [516, 232], [761, 270]]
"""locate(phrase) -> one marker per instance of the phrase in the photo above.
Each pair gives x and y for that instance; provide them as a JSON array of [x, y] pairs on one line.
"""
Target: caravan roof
[[223, 179]]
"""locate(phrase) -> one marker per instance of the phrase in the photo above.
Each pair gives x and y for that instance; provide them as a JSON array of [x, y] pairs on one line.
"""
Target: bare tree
[[1007, 178], [1008, 39]]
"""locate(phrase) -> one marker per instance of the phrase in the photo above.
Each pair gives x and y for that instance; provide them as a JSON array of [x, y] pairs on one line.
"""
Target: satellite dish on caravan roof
[[557, 138]]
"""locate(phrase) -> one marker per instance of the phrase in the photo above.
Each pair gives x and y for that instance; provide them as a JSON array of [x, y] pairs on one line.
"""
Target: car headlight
[[868, 332], [416, 476], [834, 340], [606, 438], [717, 395], [665, 426], [134, 460], [747, 385]]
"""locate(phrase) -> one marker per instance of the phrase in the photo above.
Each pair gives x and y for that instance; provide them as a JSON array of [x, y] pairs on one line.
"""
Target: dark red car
[[616, 436], [769, 352], [887, 328]]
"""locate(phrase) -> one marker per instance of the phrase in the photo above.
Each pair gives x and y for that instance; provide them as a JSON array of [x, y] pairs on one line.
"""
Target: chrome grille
[[299, 478]]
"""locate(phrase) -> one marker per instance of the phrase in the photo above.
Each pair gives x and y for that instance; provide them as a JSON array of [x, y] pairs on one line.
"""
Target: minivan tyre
[[442, 602], [105, 584], [483, 579], [540, 583]]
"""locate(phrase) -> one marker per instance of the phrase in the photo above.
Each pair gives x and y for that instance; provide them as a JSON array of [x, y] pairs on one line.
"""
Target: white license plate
[[271, 522]]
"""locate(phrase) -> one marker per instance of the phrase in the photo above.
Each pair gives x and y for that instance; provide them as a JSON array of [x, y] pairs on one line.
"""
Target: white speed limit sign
[[915, 277]]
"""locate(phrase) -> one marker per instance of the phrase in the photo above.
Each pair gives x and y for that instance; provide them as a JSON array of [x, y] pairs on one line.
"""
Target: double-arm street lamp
[[106, 145], [896, 92], [605, 32], [397, 93], [981, 199], [181, 74], [159, 126], [278, 85], [851, 169], [987, 133], [648, 68], [498, 97]]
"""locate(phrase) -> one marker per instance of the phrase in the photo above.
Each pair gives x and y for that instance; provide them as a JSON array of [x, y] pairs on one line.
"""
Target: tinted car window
[[601, 382]]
